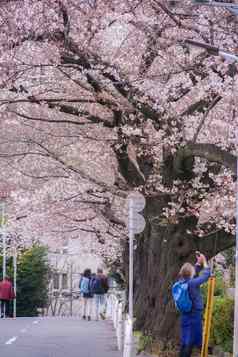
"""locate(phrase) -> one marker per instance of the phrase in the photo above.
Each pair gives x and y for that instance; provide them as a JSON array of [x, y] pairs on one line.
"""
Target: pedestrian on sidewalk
[[100, 289], [188, 299], [85, 287], [6, 295]]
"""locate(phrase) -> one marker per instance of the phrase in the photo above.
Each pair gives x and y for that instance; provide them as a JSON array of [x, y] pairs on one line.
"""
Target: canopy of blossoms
[[95, 96]]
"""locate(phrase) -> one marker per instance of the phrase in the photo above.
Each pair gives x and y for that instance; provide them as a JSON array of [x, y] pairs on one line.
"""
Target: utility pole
[[4, 193], [3, 233]]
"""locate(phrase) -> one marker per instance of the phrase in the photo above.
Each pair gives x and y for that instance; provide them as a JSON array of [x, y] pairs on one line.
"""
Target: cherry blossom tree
[[99, 98]]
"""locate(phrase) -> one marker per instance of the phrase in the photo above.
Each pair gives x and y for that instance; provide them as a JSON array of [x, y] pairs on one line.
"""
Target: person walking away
[[188, 300], [85, 287], [6, 295], [100, 288]]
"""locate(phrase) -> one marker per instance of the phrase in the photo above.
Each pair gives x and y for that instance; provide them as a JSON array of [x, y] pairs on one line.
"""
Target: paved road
[[57, 337]]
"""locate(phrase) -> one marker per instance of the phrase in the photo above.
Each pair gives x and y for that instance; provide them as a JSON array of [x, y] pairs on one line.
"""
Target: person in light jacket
[[191, 322], [85, 286], [6, 295]]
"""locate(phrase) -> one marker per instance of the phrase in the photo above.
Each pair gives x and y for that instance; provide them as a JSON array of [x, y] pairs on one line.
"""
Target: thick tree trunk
[[160, 252]]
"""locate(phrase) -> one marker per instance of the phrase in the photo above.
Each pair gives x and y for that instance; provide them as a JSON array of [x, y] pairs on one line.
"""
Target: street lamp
[[233, 8], [227, 56], [215, 51]]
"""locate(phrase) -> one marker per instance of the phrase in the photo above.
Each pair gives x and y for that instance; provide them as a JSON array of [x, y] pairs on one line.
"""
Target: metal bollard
[[128, 341], [109, 310], [120, 328], [113, 308], [115, 319]]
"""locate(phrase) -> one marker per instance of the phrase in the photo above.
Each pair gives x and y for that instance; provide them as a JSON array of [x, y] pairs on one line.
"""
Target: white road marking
[[13, 339]]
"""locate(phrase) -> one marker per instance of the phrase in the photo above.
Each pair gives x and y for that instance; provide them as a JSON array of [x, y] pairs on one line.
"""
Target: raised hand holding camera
[[201, 259]]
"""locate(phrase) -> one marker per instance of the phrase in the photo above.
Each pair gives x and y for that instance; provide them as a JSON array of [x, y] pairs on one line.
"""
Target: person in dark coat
[[6, 295], [191, 322], [100, 289]]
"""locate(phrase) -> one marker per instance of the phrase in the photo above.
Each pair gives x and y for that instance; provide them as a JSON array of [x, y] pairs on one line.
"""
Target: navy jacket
[[195, 284]]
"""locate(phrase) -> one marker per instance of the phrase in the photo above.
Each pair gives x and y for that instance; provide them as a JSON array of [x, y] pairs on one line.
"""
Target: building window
[[64, 281], [56, 281]]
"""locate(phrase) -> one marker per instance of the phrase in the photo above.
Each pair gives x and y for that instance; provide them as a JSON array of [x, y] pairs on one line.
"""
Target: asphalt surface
[[57, 337]]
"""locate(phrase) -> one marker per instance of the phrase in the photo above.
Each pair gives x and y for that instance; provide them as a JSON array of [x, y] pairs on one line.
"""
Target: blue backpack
[[180, 292], [98, 286], [85, 285]]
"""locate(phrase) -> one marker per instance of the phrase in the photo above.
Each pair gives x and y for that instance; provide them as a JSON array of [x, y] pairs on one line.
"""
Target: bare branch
[[210, 152]]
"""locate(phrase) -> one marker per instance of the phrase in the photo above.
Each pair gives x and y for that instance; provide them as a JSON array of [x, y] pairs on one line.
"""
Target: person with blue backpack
[[86, 290], [188, 300]]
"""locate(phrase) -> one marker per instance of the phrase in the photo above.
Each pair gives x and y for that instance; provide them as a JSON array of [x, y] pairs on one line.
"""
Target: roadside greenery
[[223, 316], [229, 255], [32, 280], [220, 288], [222, 323], [145, 342]]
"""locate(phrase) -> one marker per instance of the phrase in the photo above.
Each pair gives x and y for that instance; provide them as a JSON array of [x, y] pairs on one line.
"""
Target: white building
[[67, 265]]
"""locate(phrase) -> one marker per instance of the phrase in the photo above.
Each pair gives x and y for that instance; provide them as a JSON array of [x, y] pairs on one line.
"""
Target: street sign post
[[136, 224]]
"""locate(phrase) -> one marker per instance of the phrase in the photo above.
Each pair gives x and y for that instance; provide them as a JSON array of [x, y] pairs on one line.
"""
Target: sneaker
[[84, 317], [89, 318]]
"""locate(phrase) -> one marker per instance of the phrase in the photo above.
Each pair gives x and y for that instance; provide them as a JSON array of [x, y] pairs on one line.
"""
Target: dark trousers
[[5, 305], [191, 332]]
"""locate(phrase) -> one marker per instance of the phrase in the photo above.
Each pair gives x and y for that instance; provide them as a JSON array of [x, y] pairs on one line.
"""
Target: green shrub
[[222, 323], [32, 280], [220, 289], [32, 292], [223, 315]]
